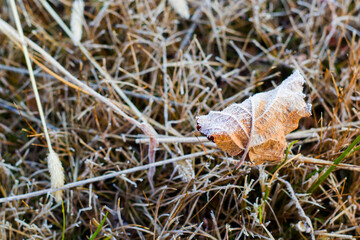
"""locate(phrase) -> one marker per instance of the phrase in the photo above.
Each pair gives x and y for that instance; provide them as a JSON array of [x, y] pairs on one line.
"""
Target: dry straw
[[144, 126], [55, 168]]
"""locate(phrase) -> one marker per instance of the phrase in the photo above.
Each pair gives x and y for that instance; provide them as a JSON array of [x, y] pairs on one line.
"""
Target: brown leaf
[[259, 124]]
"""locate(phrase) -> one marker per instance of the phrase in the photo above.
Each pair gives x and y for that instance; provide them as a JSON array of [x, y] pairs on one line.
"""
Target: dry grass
[[139, 61]]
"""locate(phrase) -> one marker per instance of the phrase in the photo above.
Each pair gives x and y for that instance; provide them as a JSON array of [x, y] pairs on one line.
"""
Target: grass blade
[[99, 227], [64, 220], [336, 162], [286, 156]]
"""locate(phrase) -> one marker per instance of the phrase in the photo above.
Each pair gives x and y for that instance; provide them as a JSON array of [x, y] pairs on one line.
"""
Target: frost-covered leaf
[[259, 124]]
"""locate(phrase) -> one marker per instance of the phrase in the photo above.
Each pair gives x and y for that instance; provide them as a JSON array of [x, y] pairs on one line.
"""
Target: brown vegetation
[[136, 82]]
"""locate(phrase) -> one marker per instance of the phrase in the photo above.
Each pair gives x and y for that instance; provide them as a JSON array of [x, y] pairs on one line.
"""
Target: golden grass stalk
[[54, 164]]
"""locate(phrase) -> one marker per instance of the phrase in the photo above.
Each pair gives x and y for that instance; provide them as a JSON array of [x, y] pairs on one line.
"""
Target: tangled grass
[[140, 61]]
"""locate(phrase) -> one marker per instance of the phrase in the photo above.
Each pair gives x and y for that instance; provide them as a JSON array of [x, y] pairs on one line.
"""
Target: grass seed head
[[76, 22], [56, 173], [181, 7]]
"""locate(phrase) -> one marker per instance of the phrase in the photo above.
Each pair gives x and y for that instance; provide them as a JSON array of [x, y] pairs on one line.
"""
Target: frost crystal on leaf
[[259, 124]]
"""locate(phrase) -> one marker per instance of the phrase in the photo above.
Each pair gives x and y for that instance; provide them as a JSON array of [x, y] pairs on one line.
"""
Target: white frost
[[76, 21], [181, 7]]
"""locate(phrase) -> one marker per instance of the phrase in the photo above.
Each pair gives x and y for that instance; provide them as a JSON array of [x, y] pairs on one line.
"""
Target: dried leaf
[[259, 124]]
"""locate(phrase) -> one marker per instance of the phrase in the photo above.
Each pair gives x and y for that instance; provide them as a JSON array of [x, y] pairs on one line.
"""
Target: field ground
[[140, 61]]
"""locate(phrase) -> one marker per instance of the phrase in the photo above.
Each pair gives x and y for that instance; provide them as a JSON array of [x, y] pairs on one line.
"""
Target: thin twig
[[172, 139], [316, 161], [104, 177], [4, 104], [23, 71], [298, 206]]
